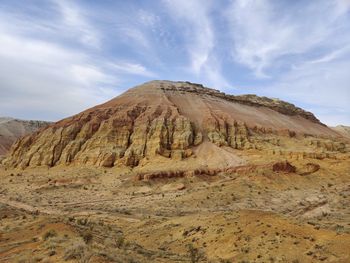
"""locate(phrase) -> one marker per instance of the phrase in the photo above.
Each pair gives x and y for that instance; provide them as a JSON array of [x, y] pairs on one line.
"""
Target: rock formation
[[169, 120], [284, 167]]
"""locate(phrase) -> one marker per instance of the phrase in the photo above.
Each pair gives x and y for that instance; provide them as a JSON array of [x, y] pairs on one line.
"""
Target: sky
[[59, 57]]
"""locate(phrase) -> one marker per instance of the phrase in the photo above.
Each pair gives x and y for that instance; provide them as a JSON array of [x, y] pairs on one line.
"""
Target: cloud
[[40, 75], [75, 22], [46, 78], [266, 32], [135, 35], [322, 86], [302, 49], [193, 15], [197, 29], [332, 55], [133, 69], [63, 56]]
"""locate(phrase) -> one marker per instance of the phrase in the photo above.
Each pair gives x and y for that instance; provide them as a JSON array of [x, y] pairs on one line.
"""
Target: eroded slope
[[168, 121]]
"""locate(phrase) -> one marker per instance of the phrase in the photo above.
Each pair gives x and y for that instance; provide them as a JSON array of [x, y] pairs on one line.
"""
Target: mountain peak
[[247, 99]]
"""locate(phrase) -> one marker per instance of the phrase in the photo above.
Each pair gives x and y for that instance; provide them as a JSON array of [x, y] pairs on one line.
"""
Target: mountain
[[11, 129], [343, 130], [163, 122]]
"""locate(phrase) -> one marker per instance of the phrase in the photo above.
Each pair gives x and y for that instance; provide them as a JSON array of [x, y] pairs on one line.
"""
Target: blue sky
[[59, 57]]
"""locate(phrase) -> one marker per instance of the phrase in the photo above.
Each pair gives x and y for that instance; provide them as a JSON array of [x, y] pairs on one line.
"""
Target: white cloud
[[89, 75], [34, 51], [199, 32], [41, 78], [264, 32], [303, 50], [76, 23], [331, 56], [321, 86], [194, 17], [139, 31], [133, 69], [38, 75], [342, 6], [135, 35], [148, 19]]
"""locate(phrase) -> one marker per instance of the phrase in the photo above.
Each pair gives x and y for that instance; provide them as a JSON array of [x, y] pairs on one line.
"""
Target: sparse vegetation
[[78, 251], [194, 254], [119, 241], [87, 237], [49, 234]]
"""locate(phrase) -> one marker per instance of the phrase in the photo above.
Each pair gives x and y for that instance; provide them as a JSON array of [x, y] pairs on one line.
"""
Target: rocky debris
[[147, 121], [284, 167], [295, 155], [175, 174]]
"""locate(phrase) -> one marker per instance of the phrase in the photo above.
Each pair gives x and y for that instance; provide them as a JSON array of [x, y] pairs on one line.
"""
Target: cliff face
[[162, 118], [12, 129]]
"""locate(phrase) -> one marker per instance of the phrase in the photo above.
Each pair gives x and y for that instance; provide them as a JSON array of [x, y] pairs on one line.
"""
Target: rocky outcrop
[[105, 140], [177, 173], [284, 167], [162, 118], [249, 99]]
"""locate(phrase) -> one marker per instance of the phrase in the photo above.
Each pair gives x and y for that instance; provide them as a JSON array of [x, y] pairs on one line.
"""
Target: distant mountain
[[343, 130], [11, 129]]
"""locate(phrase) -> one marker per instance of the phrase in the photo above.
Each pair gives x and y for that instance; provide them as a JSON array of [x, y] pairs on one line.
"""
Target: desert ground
[[249, 214]]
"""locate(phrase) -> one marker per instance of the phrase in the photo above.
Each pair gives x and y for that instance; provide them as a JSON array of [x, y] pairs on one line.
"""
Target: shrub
[[119, 241], [78, 251], [87, 237], [194, 254], [82, 221], [49, 234]]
